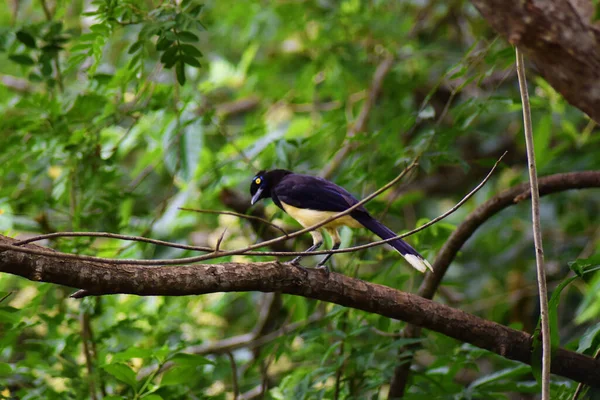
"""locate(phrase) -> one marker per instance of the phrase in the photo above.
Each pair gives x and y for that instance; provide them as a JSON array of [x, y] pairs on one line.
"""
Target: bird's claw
[[324, 268], [297, 265]]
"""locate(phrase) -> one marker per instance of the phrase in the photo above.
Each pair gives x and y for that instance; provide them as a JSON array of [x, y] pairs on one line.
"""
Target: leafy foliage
[[116, 114]]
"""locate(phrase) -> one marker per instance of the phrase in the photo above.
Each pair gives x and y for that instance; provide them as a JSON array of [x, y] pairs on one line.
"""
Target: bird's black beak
[[256, 196]]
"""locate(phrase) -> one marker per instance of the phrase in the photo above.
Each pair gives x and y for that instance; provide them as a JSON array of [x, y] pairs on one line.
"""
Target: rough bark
[[101, 278], [559, 37]]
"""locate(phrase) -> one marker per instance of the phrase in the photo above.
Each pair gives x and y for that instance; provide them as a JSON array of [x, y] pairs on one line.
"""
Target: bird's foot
[[296, 260], [296, 264], [324, 268]]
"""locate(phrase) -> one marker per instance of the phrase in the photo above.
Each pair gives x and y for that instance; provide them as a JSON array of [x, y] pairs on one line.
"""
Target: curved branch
[[547, 185], [101, 278]]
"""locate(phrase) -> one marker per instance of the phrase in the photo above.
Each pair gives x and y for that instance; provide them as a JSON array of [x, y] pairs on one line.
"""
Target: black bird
[[311, 200]]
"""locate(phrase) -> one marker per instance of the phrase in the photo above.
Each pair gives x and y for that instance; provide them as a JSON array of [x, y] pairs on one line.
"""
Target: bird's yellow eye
[[258, 181]]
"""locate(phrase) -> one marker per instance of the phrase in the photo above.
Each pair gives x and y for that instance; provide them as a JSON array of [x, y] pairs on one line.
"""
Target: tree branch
[[102, 278], [559, 37], [547, 185], [537, 229]]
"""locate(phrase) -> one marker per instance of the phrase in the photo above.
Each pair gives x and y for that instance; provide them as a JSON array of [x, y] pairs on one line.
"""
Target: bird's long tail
[[409, 254]]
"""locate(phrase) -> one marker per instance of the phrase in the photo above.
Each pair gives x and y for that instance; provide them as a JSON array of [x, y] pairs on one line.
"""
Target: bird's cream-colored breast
[[307, 217]]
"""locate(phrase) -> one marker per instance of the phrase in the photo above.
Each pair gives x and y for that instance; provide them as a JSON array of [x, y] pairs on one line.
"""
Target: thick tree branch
[[101, 278], [559, 37], [547, 185]]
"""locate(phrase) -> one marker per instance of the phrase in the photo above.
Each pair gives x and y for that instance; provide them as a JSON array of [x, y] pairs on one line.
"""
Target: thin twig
[[234, 379], [252, 217], [340, 370], [537, 233], [112, 236], [5, 296], [87, 339], [46, 9], [218, 246]]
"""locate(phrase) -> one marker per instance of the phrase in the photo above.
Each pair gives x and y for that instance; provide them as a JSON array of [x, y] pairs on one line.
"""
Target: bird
[[311, 200]]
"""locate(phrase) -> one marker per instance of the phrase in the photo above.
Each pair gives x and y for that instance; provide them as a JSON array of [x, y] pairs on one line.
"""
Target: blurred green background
[[115, 113]]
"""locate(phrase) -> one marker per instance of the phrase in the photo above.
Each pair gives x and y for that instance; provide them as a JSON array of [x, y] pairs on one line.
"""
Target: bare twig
[[239, 215], [111, 236], [5, 296], [361, 121], [340, 369], [46, 9], [86, 337], [218, 246], [537, 232], [234, 379]]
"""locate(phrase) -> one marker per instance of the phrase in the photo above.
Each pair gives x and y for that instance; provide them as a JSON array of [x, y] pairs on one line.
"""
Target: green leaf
[[26, 39], [191, 61], [187, 36], [513, 372], [170, 35], [194, 11], [179, 375], [51, 49], [553, 312], [22, 59], [190, 359], [132, 352], [122, 372], [152, 396], [180, 70], [33, 77], [135, 47], [190, 50], [100, 29], [5, 369], [582, 266], [9, 315], [169, 57], [86, 107], [587, 340], [163, 43]]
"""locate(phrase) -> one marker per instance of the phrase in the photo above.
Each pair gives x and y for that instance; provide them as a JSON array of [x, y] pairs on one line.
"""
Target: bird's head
[[260, 187], [264, 181]]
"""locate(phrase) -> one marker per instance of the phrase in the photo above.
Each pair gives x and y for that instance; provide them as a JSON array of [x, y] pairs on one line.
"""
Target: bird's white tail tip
[[418, 263]]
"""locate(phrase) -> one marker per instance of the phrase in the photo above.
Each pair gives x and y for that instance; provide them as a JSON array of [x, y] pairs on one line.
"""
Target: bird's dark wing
[[309, 192]]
